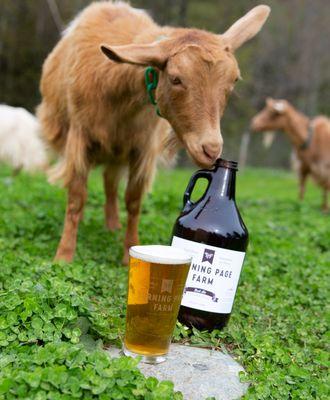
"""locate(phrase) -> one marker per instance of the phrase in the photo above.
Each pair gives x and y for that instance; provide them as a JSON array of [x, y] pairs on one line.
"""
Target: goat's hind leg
[[16, 171], [111, 179], [77, 194], [303, 173], [74, 173]]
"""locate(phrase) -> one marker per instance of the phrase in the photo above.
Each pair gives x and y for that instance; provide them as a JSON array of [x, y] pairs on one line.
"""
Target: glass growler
[[212, 231]]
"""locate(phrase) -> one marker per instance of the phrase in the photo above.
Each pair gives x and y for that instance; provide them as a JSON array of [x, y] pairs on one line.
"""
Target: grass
[[55, 319]]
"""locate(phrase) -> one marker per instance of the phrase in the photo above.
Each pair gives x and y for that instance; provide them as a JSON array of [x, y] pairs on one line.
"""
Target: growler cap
[[160, 254], [226, 164]]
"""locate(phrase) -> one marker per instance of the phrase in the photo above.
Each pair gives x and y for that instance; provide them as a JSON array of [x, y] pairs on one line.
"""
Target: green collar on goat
[[307, 142], [151, 81]]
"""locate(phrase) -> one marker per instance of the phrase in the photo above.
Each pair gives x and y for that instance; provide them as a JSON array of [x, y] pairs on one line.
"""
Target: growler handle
[[202, 173]]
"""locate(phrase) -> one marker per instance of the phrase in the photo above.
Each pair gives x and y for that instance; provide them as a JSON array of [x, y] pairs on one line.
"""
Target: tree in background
[[289, 59]]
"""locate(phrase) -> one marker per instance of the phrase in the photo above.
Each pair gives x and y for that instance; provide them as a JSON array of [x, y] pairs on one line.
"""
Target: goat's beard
[[268, 139], [170, 146]]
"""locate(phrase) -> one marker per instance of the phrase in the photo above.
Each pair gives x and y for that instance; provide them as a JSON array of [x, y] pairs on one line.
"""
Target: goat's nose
[[212, 150]]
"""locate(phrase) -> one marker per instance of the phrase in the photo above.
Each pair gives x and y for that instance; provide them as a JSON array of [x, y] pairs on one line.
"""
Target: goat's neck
[[296, 126], [130, 90], [156, 34]]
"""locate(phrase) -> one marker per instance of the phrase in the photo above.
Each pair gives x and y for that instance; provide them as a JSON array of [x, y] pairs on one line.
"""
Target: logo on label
[[167, 285], [208, 255]]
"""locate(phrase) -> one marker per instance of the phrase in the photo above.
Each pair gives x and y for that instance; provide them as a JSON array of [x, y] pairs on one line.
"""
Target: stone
[[197, 373]]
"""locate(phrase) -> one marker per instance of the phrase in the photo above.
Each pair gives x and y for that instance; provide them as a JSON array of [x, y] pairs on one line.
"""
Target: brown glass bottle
[[213, 231]]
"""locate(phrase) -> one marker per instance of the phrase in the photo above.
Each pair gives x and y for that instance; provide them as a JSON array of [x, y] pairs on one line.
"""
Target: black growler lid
[[226, 164]]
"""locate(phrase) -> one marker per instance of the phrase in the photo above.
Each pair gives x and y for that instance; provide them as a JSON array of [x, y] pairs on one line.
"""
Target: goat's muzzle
[[204, 153]]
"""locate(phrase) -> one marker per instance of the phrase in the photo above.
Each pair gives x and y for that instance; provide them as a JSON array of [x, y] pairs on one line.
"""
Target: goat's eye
[[175, 80]]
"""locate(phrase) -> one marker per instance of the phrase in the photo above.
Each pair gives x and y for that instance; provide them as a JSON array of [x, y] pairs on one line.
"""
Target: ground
[[55, 319]]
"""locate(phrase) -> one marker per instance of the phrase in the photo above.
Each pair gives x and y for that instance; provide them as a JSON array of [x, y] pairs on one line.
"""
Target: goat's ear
[[246, 27], [153, 54]]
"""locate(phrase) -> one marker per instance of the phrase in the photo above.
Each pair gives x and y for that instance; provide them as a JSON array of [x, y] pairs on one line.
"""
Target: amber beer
[[157, 278], [213, 232]]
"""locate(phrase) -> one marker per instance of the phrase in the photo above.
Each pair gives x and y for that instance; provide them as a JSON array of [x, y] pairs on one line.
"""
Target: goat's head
[[272, 117], [197, 72]]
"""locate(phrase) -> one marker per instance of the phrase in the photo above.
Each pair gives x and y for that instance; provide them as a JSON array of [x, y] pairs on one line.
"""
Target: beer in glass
[[157, 277]]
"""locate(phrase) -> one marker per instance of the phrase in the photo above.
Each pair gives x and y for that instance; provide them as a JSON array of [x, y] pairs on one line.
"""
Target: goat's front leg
[[141, 172], [111, 178], [325, 205], [77, 194], [133, 199]]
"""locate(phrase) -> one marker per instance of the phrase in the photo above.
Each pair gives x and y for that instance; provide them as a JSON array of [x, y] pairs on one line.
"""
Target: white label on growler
[[213, 276]]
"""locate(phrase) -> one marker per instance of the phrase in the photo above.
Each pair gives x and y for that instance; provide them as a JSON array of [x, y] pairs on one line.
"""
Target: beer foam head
[[160, 254]]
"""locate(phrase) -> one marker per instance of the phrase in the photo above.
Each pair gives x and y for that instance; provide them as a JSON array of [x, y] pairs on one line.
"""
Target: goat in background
[[309, 137], [21, 145]]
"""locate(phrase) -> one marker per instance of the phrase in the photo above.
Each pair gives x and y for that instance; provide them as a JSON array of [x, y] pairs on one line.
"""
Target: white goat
[[21, 146]]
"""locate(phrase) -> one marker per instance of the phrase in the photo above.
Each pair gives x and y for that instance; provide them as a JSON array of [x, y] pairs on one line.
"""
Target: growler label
[[213, 276]]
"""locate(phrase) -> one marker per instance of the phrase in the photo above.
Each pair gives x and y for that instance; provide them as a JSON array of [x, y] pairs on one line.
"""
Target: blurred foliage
[[288, 59]]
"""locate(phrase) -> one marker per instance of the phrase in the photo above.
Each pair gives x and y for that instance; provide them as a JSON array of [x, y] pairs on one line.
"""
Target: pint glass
[[157, 277]]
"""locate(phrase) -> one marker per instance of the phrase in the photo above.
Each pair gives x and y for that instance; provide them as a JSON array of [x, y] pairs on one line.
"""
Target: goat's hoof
[[113, 225], [64, 256]]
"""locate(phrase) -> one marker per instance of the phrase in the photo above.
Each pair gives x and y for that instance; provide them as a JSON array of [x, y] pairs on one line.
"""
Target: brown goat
[[96, 111], [309, 137]]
